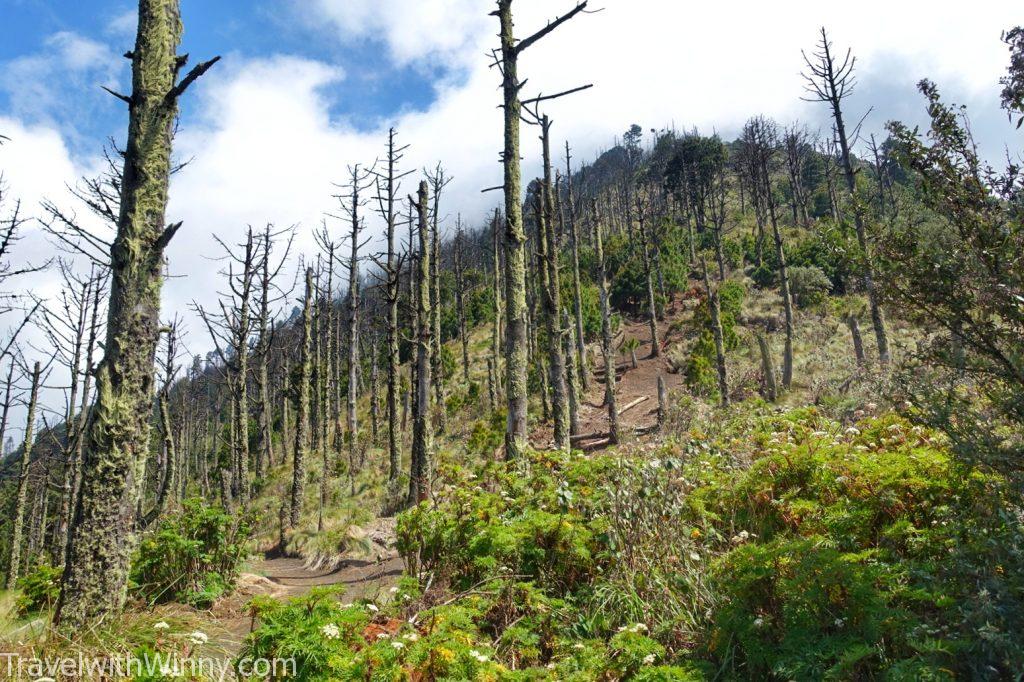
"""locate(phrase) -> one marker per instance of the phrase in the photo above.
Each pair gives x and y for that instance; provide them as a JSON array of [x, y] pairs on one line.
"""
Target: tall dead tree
[[422, 438], [574, 249], [388, 183], [269, 295], [21, 496], [652, 308], [230, 329], [550, 292], [353, 200], [831, 81], [104, 536], [506, 59], [301, 387], [460, 284], [796, 146], [606, 332], [438, 181], [764, 145], [167, 461], [715, 313]]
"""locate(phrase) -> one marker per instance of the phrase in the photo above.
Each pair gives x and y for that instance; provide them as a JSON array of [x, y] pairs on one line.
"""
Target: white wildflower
[[839, 622], [382, 635], [397, 645], [373, 608], [578, 645], [198, 637], [853, 431], [393, 590], [411, 636], [482, 658], [695, 556], [649, 659], [758, 622], [330, 631], [161, 626]]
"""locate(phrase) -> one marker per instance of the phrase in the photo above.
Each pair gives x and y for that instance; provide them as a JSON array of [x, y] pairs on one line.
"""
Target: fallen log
[[634, 403]]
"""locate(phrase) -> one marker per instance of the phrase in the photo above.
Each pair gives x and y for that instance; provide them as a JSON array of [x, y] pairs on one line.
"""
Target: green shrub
[[808, 285], [192, 556], [39, 588]]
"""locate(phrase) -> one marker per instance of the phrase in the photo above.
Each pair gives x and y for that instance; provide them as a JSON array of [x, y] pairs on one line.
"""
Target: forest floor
[[636, 388], [285, 577]]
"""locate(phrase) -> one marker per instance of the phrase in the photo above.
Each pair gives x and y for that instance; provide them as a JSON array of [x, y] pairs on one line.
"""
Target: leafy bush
[[192, 556], [808, 285], [39, 588]]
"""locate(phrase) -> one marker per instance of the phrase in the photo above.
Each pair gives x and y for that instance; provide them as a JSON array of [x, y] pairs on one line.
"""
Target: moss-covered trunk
[[21, 497], [422, 440], [515, 245], [104, 533], [301, 384]]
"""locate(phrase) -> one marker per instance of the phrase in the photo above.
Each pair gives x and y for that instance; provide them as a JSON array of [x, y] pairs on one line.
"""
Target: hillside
[[694, 409]]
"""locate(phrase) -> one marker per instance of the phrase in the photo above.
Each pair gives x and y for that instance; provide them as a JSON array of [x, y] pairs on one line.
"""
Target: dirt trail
[[631, 383], [287, 577]]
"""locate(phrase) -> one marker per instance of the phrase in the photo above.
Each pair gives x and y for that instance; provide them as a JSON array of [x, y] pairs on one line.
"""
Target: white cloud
[[411, 30]]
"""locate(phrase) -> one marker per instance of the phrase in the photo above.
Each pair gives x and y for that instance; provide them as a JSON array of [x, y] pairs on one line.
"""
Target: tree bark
[[299, 452], [104, 536], [21, 496], [606, 334], [422, 439]]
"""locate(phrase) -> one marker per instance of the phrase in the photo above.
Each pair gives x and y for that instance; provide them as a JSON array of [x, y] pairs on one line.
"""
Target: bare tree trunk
[[515, 245], [606, 334], [571, 378], [858, 343], [21, 497], [651, 304], [662, 403], [551, 296], [496, 328], [574, 243], [716, 331], [460, 307], [422, 440], [104, 536], [301, 447], [771, 388]]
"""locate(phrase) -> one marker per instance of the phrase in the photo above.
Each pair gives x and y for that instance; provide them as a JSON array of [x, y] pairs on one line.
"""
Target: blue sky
[[374, 86]]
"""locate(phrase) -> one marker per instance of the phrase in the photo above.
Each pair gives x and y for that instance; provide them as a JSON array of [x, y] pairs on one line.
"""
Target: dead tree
[[606, 332], [422, 439], [460, 284], [353, 201], [269, 296], [550, 290], [167, 463], [21, 496], [438, 181], [763, 135], [388, 183], [574, 244], [715, 313], [831, 81], [794, 140], [496, 376], [301, 386], [104, 538], [506, 59], [230, 328], [652, 308]]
